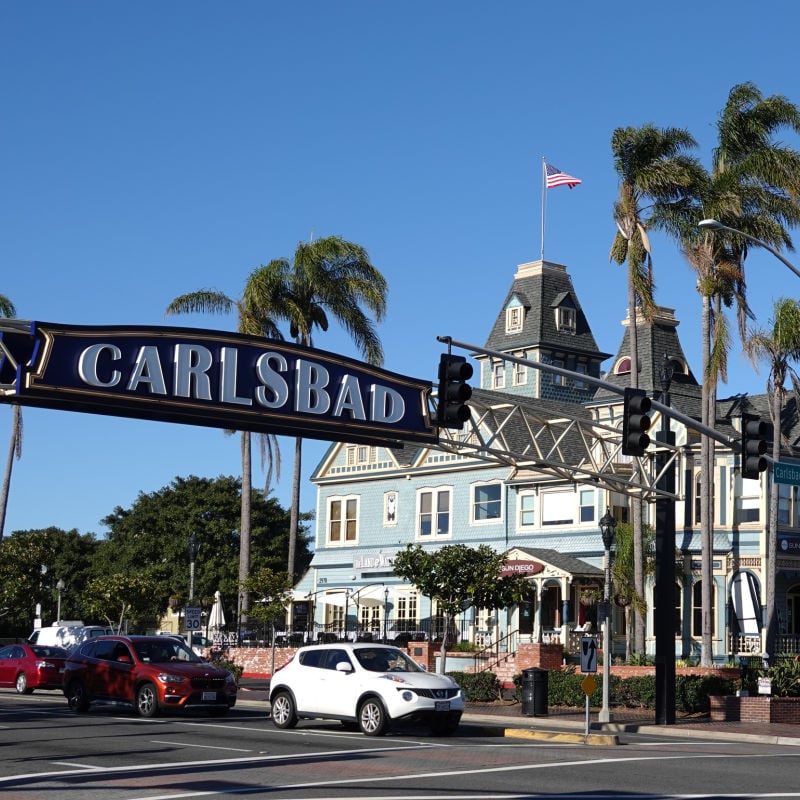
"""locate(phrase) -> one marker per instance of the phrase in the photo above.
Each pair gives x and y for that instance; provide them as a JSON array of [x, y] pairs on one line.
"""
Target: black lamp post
[[608, 529], [193, 548], [59, 588], [385, 612]]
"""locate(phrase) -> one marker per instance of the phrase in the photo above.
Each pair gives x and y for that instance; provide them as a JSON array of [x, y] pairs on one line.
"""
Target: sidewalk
[[508, 717]]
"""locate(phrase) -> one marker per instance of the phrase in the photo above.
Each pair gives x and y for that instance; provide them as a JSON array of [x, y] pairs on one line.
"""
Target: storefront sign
[[523, 568], [213, 378]]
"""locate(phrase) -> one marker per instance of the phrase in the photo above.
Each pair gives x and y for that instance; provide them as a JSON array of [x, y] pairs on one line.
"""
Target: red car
[[32, 666], [151, 673]]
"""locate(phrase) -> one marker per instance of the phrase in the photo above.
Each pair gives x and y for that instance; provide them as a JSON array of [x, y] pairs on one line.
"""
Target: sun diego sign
[[211, 378]]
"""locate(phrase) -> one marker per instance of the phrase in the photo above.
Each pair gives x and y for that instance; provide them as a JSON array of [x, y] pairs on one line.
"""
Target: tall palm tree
[[653, 168], [327, 277], [255, 322], [778, 346], [7, 309], [753, 185]]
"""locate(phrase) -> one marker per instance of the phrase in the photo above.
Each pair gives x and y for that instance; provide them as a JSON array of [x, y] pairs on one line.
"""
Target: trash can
[[534, 692]]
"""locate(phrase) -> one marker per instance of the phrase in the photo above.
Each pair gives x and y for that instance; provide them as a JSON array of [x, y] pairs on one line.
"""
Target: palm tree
[[327, 277], [652, 165], [752, 186], [15, 447], [778, 346], [255, 322]]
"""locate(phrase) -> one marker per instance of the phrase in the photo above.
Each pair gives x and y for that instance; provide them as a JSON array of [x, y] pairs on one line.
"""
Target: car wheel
[[282, 711], [372, 718], [77, 699], [147, 700], [22, 684]]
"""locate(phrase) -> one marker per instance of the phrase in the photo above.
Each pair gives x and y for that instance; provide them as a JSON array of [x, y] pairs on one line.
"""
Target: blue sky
[[154, 148]]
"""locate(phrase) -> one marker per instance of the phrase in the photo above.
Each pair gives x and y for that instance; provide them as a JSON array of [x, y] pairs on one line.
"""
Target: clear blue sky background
[[153, 148]]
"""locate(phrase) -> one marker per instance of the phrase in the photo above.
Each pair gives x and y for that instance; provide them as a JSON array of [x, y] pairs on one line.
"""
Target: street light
[[385, 612], [59, 588], [608, 528], [714, 225]]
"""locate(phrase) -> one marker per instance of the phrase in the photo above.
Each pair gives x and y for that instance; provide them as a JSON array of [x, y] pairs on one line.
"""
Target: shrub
[[235, 669], [785, 676], [479, 687]]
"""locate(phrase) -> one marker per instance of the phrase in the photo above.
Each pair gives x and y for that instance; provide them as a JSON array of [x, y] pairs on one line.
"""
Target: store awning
[[372, 596]]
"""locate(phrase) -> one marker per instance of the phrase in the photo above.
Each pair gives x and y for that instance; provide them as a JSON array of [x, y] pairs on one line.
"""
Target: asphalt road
[[46, 751]]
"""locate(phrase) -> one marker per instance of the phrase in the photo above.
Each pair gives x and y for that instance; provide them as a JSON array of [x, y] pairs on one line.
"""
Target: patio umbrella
[[216, 619]]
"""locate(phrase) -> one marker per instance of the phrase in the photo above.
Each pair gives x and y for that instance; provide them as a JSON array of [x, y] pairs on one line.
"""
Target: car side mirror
[[124, 659], [344, 666]]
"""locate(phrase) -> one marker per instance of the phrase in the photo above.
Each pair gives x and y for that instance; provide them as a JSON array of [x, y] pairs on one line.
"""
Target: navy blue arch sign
[[211, 378]]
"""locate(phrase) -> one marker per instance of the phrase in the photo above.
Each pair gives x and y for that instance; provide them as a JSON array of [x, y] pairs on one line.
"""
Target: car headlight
[[407, 696], [166, 677]]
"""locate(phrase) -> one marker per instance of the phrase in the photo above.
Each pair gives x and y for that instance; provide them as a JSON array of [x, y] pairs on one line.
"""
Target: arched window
[[697, 609], [623, 366]]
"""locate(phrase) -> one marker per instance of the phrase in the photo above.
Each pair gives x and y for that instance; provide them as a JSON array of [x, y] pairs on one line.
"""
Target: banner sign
[[212, 378]]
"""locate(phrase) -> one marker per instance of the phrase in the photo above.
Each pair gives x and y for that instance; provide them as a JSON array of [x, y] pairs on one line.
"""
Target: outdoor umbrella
[[216, 620]]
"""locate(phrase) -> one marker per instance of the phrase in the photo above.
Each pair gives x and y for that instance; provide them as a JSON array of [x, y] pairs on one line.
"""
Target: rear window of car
[[42, 651], [312, 658]]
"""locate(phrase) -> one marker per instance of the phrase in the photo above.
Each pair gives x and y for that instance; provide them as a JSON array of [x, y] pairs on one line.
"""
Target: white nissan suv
[[369, 685]]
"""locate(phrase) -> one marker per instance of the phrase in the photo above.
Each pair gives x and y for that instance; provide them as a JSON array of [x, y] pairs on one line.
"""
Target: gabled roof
[[559, 562]]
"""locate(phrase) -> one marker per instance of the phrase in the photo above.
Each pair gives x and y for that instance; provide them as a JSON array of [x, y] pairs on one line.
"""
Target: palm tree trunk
[[14, 447], [706, 467], [294, 514], [638, 557], [244, 533], [770, 621]]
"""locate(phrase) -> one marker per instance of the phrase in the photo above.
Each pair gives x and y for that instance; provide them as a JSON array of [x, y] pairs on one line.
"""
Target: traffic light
[[635, 422], [754, 445], [454, 391]]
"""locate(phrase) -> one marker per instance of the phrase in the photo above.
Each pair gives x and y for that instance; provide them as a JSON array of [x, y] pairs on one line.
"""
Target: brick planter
[[756, 709]]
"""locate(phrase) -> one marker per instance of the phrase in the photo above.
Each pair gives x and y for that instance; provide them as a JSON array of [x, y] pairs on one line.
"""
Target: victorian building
[[372, 501]]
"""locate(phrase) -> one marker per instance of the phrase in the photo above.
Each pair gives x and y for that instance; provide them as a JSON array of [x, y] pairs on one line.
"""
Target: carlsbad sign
[[211, 378]]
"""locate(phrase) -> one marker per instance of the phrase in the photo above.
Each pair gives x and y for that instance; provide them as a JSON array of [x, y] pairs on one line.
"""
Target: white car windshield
[[381, 659]]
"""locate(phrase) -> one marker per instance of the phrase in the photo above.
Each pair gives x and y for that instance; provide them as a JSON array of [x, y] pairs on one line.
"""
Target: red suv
[[152, 673]]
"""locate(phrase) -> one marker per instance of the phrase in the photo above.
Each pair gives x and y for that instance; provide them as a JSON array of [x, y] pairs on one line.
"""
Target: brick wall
[[756, 709]]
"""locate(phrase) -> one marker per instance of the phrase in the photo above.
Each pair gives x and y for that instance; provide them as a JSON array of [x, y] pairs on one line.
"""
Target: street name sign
[[786, 473]]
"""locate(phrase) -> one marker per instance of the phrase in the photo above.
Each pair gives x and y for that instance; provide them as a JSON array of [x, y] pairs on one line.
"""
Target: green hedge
[[479, 687]]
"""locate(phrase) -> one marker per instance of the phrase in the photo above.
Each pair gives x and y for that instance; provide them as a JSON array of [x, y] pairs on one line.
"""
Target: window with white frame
[[487, 502], [748, 504], [697, 609], [527, 509], [558, 380], [698, 486], [586, 505], [520, 372], [342, 520], [498, 375], [433, 515], [360, 454], [406, 614], [566, 319], [558, 508], [787, 505], [514, 319]]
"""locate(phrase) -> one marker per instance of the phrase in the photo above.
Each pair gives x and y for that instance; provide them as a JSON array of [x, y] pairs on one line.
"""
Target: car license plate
[[209, 697], [442, 705]]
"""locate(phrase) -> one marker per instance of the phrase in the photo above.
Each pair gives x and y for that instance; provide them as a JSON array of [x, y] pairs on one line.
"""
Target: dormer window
[[623, 367], [565, 319], [514, 319]]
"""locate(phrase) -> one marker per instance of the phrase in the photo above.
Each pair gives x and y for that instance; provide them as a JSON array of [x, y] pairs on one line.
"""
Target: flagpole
[[544, 195]]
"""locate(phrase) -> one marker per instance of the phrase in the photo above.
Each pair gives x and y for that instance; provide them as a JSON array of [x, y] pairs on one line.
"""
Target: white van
[[68, 634]]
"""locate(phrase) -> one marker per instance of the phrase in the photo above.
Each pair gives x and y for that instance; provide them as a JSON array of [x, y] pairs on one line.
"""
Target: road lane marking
[[204, 746]]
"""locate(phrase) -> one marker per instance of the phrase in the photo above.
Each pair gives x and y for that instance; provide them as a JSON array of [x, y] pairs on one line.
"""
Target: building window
[[406, 615], [342, 520], [748, 504], [486, 502], [434, 512], [514, 319], [581, 369], [558, 380], [697, 609], [698, 484], [360, 454], [527, 509], [390, 501], [558, 508], [623, 367], [520, 373], [586, 502], [565, 320], [787, 505], [498, 375]]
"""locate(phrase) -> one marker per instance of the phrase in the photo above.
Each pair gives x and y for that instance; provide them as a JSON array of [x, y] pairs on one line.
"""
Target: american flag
[[555, 177]]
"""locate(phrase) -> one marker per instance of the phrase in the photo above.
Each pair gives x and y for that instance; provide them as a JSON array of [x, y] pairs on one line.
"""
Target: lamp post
[[714, 225], [59, 589], [192, 547], [608, 529], [385, 612]]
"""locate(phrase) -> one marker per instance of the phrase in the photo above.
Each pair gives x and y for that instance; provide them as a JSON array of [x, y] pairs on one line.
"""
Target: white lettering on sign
[[101, 366]]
